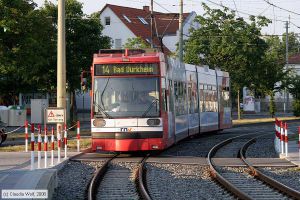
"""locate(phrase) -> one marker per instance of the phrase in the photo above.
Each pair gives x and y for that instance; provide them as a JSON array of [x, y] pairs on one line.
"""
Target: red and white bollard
[[282, 137], [78, 136], [58, 143], [52, 146], [286, 140], [39, 146], [46, 146], [32, 147], [26, 135], [66, 140]]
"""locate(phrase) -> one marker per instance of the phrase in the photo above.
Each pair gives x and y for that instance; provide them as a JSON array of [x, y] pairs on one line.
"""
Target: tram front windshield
[[126, 97]]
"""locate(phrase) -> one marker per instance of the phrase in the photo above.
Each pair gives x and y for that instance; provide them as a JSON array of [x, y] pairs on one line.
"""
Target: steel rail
[[218, 176], [141, 180], [92, 190], [261, 176]]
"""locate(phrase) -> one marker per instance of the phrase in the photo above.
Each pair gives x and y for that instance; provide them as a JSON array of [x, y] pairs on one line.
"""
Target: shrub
[[272, 106], [296, 108]]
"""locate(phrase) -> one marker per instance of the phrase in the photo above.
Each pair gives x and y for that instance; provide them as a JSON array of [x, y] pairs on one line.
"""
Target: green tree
[[272, 106], [293, 86], [136, 43], [228, 42], [271, 72], [294, 43], [83, 39], [24, 48]]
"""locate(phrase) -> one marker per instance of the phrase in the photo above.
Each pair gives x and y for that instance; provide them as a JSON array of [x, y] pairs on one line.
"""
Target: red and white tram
[[143, 100]]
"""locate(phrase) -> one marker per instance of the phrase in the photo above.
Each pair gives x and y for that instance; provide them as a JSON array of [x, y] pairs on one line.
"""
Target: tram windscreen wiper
[[103, 111], [149, 108]]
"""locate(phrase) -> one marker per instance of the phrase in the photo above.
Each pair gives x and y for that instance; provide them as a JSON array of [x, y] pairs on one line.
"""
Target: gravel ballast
[[119, 182], [174, 181], [73, 180], [262, 148], [288, 176]]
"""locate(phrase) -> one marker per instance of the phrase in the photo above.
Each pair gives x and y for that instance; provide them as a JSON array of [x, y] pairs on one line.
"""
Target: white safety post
[[26, 135], [52, 146], [65, 141], [78, 136], [58, 143], [278, 135], [282, 137], [286, 139], [46, 146], [32, 147], [39, 146]]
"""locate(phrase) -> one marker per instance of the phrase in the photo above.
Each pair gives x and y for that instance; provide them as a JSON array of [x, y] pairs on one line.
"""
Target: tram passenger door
[[170, 113]]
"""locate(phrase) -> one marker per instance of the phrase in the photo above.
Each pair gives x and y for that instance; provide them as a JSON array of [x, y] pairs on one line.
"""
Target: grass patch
[[72, 146], [261, 120]]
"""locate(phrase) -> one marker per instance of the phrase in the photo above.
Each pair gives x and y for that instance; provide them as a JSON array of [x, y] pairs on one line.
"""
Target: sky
[[276, 12]]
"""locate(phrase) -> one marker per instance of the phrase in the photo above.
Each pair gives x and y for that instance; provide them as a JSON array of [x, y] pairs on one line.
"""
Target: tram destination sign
[[126, 69]]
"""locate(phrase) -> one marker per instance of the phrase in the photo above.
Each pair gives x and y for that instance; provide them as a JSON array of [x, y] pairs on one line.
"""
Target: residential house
[[121, 23], [294, 63]]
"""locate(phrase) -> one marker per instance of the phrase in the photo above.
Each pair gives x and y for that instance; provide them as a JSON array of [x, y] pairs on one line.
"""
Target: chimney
[[146, 8]]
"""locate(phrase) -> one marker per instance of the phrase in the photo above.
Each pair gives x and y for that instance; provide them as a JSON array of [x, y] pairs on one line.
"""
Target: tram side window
[[180, 96], [164, 96], [208, 98], [171, 100], [184, 98], [226, 93], [192, 98], [201, 98], [215, 98]]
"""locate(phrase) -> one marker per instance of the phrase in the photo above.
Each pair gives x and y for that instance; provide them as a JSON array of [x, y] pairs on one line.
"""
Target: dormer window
[[127, 19], [107, 20], [143, 20]]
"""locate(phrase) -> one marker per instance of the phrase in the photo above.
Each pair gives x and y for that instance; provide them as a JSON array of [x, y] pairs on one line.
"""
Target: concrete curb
[[48, 181]]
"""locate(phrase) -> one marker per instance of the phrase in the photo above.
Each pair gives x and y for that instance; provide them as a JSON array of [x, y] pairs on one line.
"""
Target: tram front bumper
[[135, 141]]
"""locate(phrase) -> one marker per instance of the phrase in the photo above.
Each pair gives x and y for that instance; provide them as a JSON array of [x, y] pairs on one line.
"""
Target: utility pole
[[286, 99], [181, 32], [61, 57], [152, 37]]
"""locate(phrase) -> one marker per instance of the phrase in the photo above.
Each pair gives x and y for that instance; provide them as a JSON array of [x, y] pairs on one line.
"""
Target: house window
[[143, 20], [107, 20], [127, 19], [118, 43]]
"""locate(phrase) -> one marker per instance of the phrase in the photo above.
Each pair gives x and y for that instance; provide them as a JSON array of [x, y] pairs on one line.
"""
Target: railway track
[[245, 182], [119, 180]]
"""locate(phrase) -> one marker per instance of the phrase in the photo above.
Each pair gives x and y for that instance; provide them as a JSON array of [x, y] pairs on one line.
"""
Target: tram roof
[[127, 55]]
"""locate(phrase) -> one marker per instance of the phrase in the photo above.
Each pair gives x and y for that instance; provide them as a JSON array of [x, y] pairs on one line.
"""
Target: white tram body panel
[[199, 99], [185, 100]]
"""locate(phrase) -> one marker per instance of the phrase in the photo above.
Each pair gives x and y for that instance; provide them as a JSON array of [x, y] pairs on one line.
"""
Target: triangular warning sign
[[51, 114]]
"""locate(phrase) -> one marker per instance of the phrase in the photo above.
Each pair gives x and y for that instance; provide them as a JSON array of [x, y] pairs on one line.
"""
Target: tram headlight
[[99, 122], [153, 122]]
